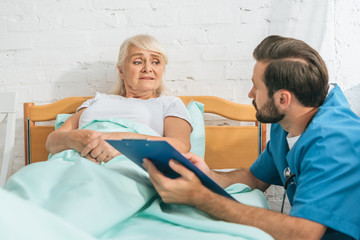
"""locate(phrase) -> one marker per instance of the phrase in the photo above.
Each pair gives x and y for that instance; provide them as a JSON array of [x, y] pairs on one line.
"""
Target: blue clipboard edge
[[160, 152]]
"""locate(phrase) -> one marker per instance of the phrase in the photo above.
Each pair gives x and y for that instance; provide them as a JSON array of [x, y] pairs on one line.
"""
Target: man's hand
[[186, 189]]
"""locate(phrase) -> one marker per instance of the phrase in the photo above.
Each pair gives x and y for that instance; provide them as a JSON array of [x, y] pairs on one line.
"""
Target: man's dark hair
[[294, 66]]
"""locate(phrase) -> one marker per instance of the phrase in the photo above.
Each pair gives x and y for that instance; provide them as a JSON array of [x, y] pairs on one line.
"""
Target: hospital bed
[[226, 146], [65, 196]]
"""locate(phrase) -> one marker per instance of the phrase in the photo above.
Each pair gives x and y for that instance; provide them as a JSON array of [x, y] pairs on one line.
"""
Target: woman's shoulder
[[169, 98], [99, 95]]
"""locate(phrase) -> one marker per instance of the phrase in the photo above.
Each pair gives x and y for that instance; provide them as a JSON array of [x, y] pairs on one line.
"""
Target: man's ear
[[283, 98]]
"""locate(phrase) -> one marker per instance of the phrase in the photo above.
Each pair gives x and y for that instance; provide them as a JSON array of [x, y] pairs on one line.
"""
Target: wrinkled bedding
[[69, 197]]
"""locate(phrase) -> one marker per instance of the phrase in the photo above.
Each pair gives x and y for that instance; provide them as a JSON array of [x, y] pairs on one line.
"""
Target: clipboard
[[160, 152]]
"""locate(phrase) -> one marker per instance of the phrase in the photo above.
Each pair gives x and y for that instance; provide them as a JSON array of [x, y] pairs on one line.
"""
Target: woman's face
[[142, 72]]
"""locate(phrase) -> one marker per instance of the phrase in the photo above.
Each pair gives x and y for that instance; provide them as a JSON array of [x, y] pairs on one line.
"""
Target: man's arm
[[243, 175], [188, 189], [225, 179], [278, 225]]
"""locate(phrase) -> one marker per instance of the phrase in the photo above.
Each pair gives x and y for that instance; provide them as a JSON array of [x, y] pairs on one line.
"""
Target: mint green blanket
[[69, 197]]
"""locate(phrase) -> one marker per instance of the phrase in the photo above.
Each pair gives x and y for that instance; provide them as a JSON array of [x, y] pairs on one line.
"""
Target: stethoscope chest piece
[[288, 177]]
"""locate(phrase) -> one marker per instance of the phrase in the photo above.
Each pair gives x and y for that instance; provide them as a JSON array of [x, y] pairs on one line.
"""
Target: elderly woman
[[141, 65]]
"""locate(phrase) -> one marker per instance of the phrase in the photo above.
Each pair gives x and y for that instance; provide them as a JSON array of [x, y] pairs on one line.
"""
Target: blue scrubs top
[[326, 161]]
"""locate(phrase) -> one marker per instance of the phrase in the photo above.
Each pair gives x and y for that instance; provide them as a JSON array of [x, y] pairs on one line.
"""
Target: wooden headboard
[[225, 146]]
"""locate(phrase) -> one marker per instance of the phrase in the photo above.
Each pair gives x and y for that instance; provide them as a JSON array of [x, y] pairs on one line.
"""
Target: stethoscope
[[288, 176]]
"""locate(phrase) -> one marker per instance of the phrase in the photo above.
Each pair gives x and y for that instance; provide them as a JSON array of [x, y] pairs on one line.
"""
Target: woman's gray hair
[[142, 41]]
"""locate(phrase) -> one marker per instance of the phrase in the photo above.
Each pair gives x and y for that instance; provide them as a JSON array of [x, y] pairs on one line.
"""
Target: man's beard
[[268, 113]]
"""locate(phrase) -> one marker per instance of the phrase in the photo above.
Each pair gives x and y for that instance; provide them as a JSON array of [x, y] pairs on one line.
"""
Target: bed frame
[[225, 146]]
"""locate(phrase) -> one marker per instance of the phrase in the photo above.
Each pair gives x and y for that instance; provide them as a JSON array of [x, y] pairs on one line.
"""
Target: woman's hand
[[199, 162], [79, 138], [98, 150]]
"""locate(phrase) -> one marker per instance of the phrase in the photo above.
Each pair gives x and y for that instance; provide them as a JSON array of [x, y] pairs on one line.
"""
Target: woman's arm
[[69, 137], [92, 145], [176, 132]]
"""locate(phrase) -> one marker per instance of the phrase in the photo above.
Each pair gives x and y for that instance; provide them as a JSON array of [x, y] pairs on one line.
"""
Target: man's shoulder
[[276, 129]]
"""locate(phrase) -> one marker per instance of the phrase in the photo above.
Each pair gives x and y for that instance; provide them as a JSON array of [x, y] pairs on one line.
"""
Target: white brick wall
[[54, 49]]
